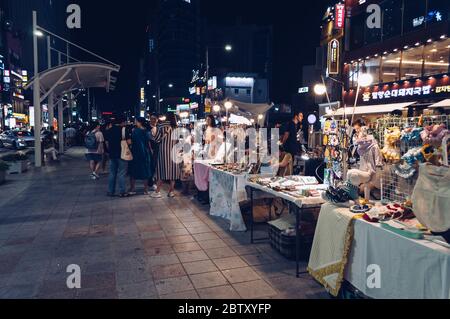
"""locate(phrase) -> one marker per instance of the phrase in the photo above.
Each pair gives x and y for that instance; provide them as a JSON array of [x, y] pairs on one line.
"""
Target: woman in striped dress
[[166, 167]]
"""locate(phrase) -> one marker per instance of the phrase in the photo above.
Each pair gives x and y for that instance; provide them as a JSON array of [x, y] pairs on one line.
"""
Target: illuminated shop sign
[[339, 16], [408, 90], [432, 16], [333, 57], [392, 94]]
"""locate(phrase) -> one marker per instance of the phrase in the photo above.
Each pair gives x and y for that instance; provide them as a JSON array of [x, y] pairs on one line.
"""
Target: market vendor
[[293, 137]]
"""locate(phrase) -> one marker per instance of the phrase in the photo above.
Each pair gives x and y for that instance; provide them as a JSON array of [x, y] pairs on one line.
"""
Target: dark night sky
[[115, 29]]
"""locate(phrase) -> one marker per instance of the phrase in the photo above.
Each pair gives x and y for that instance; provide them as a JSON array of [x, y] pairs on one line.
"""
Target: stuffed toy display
[[391, 150]]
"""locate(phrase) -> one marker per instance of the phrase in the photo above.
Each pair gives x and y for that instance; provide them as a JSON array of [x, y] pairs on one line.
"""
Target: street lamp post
[[36, 97]]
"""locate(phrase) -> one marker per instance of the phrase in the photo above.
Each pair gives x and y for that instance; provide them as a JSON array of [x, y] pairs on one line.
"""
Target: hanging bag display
[[431, 197], [126, 154]]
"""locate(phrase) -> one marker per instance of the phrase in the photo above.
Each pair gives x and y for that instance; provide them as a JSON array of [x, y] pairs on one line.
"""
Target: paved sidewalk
[[127, 248]]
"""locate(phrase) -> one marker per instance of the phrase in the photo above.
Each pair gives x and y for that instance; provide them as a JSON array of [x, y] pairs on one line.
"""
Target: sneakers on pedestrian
[[132, 193], [171, 195], [156, 195], [96, 175], [154, 188]]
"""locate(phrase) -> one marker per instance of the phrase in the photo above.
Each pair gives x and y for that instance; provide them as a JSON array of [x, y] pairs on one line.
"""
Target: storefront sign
[[408, 90], [339, 18], [392, 94], [303, 90], [333, 57], [212, 83]]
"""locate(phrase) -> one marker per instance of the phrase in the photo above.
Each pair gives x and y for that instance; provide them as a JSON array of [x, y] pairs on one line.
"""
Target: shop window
[[372, 66], [415, 15], [412, 63], [392, 18], [353, 76], [390, 69], [437, 57]]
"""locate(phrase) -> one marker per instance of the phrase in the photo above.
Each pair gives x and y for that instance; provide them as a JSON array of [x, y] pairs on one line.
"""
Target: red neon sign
[[339, 18]]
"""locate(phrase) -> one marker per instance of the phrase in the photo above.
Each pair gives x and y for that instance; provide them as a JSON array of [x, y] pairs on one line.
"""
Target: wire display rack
[[395, 188]]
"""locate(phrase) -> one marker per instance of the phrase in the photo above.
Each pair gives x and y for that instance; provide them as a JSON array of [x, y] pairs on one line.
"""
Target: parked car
[[17, 139]]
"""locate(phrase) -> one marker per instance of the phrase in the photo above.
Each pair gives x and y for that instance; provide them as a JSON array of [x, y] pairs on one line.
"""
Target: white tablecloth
[[226, 192], [410, 269]]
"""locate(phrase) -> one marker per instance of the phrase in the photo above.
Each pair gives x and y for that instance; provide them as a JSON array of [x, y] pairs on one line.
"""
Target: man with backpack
[[94, 143]]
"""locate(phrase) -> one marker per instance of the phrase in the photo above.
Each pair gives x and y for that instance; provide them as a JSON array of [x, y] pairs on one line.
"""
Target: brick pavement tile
[[163, 260], [192, 256], [188, 295], [206, 236], [229, 263], [275, 270], [240, 275], [19, 292], [99, 267], [105, 294], [149, 228], [217, 253], [9, 262], [51, 287], [142, 290], [156, 242], [207, 280], [254, 289], [98, 281], [168, 271], [245, 250], [186, 247], [173, 285], [176, 232], [33, 277], [152, 235], [132, 276], [157, 251], [212, 244], [221, 293], [258, 259], [199, 267], [181, 239], [199, 230], [20, 241]]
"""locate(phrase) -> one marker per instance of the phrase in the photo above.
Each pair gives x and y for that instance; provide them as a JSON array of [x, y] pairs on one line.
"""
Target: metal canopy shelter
[[55, 82], [75, 76]]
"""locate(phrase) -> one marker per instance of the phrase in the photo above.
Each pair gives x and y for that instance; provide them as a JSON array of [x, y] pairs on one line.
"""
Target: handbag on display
[[126, 154]]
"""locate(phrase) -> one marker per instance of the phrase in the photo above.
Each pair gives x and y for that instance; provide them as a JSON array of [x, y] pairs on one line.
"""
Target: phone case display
[[335, 141]]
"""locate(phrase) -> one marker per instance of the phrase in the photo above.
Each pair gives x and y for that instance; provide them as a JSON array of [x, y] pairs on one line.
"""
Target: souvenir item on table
[[391, 151], [411, 135], [402, 229], [404, 170], [431, 197], [360, 209], [434, 135], [377, 213]]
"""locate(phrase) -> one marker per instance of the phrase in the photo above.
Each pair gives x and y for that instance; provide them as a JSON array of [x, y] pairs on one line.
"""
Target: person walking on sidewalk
[[141, 167], [118, 167], [94, 144], [167, 169]]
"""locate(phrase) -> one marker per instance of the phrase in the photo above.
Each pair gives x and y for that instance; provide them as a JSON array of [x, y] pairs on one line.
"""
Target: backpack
[[90, 141]]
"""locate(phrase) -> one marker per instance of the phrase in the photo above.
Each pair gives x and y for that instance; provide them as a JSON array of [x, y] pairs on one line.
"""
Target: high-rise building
[[16, 50], [173, 52]]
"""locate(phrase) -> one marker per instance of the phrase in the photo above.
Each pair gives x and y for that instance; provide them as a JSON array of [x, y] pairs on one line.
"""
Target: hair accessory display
[[413, 156], [433, 135], [411, 135], [405, 170]]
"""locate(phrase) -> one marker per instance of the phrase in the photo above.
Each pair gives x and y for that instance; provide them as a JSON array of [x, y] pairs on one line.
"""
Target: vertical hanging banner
[[334, 53], [339, 19]]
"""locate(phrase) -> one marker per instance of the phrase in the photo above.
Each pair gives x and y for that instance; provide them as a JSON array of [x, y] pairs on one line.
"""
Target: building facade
[[408, 56]]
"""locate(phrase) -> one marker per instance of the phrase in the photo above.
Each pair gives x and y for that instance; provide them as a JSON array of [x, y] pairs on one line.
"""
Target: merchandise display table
[[410, 269], [349, 248], [297, 206], [227, 190]]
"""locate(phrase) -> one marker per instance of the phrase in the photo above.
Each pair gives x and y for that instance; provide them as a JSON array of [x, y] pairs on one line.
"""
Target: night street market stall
[[402, 238]]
